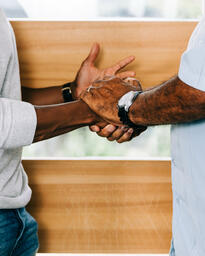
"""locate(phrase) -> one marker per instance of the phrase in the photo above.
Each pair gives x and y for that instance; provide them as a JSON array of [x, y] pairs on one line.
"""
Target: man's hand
[[119, 134], [88, 72], [114, 133], [103, 96]]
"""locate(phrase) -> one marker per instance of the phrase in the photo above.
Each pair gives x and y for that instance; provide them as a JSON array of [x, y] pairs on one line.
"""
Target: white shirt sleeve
[[17, 123], [192, 67]]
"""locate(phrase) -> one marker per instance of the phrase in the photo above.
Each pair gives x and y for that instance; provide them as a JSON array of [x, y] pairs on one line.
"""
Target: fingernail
[[130, 131], [124, 128], [111, 128], [95, 128]]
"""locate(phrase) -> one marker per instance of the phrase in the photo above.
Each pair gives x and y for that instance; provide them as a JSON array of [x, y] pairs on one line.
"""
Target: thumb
[[95, 49]]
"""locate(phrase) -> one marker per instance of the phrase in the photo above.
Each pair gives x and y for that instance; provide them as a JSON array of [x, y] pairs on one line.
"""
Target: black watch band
[[66, 92], [124, 118], [124, 105]]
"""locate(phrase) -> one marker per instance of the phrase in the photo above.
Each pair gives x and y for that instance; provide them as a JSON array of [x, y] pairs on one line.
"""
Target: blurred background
[[155, 142], [95, 9]]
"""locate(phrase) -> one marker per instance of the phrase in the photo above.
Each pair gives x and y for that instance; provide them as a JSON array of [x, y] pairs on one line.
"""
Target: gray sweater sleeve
[[17, 123]]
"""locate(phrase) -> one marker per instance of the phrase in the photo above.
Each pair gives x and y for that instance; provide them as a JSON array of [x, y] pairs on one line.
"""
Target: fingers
[[102, 98], [133, 81], [94, 128], [117, 134], [97, 127], [95, 49], [121, 64], [126, 136], [107, 131], [112, 133], [126, 74]]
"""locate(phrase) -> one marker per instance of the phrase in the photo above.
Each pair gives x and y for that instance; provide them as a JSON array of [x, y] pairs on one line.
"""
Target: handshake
[[103, 98], [107, 92]]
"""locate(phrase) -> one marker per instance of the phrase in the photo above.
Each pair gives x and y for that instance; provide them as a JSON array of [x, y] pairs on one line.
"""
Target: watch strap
[[66, 92], [123, 109], [124, 118]]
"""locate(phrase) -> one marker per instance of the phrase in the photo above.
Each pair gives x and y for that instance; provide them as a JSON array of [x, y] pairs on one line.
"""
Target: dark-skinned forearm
[[55, 120], [43, 96], [170, 103]]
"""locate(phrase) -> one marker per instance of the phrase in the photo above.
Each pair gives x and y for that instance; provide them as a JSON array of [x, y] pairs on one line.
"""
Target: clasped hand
[[103, 95], [109, 126]]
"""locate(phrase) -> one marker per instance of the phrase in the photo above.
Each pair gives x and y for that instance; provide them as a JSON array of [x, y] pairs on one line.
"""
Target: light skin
[[172, 102], [49, 103]]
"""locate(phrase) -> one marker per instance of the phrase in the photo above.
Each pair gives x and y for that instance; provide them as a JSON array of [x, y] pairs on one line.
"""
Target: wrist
[[89, 117], [75, 90], [124, 105], [67, 92], [135, 114]]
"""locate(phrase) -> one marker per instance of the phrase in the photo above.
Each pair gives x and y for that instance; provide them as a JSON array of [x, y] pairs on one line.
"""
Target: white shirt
[[17, 124], [188, 165]]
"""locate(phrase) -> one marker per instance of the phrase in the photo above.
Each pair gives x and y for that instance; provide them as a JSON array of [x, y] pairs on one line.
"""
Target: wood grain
[[100, 206], [51, 52], [95, 206]]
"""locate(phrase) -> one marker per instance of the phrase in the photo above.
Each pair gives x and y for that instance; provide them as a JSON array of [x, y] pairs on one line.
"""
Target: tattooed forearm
[[170, 103]]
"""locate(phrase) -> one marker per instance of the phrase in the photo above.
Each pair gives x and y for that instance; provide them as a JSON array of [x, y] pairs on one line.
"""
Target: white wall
[[47, 9]]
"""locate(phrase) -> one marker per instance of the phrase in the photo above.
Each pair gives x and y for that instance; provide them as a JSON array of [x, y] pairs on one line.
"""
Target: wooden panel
[[110, 206], [51, 52]]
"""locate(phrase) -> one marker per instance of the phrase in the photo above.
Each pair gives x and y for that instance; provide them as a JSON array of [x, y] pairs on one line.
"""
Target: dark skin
[[102, 97], [172, 102], [119, 134], [43, 96], [58, 119], [64, 121]]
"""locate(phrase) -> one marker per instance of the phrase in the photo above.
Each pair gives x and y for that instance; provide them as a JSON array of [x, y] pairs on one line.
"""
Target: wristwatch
[[66, 92], [124, 105]]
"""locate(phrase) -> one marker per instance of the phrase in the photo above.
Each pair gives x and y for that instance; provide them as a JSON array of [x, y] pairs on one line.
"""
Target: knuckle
[[105, 135], [126, 137], [114, 137], [100, 134], [92, 129], [121, 140], [118, 66], [110, 138]]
